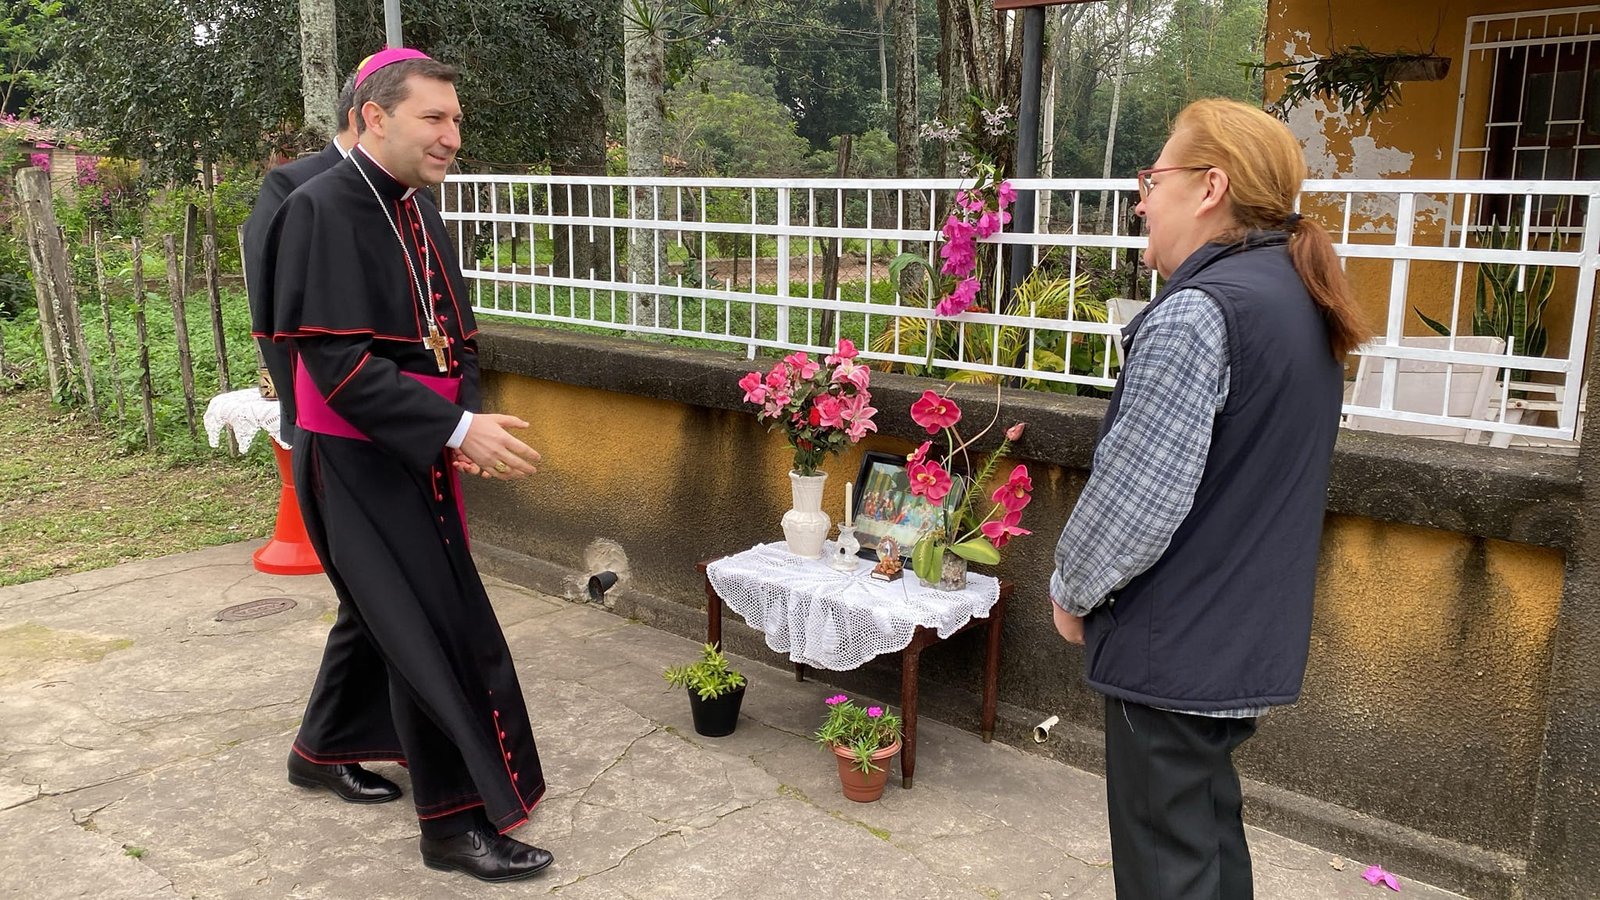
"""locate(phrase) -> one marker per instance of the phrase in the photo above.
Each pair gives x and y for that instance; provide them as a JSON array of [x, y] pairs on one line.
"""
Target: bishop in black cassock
[[367, 295]]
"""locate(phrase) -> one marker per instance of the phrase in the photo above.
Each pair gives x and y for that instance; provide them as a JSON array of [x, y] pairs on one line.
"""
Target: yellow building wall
[[1414, 138]]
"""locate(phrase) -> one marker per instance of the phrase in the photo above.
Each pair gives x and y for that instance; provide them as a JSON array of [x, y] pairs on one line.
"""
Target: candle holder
[[844, 552]]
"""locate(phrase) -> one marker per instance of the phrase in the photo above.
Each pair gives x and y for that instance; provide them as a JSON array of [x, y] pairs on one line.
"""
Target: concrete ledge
[[1507, 495]]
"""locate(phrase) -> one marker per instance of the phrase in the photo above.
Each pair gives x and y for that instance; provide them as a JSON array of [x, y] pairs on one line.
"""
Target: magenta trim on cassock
[[313, 414]]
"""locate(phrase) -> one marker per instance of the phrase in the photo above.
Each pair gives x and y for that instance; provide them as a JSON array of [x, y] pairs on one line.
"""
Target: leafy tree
[[534, 73], [177, 82], [23, 38], [825, 60], [725, 119]]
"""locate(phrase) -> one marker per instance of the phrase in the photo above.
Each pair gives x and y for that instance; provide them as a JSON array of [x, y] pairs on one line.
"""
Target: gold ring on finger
[[501, 467]]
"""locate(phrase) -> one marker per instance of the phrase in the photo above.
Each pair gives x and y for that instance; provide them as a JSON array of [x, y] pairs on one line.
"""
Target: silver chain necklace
[[434, 341]]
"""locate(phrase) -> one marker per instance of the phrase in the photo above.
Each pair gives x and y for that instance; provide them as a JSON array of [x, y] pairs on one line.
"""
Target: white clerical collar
[[368, 155], [343, 153]]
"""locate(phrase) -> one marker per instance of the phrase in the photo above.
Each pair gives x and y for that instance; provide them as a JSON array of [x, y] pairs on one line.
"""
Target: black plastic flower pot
[[718, 716]]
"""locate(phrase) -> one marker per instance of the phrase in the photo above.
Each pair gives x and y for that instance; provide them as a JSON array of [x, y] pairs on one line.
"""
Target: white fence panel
[[742, 264]]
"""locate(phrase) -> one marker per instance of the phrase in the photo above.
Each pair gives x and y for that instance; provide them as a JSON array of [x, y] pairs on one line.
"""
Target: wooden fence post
[[145, 388], [219, 341], [180, 328], [191, 218], [69, 302], [33, 189], [105, 319]]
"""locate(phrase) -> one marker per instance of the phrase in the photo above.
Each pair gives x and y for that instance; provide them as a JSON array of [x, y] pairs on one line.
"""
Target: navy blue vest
[[1223, 619]]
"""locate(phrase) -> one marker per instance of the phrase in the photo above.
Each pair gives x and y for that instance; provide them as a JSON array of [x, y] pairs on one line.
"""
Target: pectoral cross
[[437, 343]]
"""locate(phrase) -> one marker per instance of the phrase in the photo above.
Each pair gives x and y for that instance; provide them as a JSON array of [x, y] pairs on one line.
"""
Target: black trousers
[[1172, 794]]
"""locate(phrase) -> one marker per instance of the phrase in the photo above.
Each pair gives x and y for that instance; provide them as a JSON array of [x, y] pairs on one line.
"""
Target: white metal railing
[[739, 263]]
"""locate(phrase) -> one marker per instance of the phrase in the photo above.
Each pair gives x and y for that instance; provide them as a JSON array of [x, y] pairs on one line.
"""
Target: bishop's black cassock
[[380, 499]]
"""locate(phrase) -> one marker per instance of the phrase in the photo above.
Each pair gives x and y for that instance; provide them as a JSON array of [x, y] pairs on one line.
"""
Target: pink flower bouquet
[[969, 535], [821, 406]]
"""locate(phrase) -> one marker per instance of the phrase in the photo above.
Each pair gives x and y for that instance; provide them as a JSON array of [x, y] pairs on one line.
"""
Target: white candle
[[848, 506]]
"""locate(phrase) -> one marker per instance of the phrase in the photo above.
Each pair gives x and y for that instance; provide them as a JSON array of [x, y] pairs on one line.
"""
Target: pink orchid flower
[[802, 365], [1016, 492], [961, 299], [955, 228], [845, 351], [828, 411], [929, 479], [754, 390], [1006, 193], [919, 454], [1376, 874], [988, 224], [960, 256], [849, 372], [999, 531], [934, 412]]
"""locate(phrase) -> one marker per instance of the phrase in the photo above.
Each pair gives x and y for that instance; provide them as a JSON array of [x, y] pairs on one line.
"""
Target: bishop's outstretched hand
[[490, 450]]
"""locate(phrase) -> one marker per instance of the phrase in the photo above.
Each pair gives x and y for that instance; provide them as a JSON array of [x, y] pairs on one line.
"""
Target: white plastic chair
[[1420, 388], [1120, 311]]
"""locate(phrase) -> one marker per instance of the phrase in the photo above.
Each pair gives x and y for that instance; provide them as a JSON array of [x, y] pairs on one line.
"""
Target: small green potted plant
[[715, 691], [864, 739]]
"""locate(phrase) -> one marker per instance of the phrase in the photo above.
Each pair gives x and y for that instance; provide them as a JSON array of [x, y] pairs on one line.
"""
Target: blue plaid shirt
[[1148, 466]]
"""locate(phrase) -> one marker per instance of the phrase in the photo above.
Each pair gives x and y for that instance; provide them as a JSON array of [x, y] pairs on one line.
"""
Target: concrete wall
[[1420, 735]]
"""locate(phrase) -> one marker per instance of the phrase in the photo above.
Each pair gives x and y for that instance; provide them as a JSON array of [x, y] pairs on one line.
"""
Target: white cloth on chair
[[244, 412], [838, 620]]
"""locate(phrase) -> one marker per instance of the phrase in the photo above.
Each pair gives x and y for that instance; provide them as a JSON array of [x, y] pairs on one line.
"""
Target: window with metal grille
[[1530, 106]]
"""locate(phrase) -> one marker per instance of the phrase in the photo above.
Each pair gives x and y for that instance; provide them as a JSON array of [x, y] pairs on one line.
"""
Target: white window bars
[[745, 263]]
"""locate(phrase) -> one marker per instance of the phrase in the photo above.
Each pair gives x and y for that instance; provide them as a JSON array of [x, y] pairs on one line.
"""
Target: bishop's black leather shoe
[[485, 855], [351, 782]]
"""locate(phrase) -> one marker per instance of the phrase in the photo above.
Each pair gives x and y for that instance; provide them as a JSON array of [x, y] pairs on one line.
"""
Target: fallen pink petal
[[1378, 874]]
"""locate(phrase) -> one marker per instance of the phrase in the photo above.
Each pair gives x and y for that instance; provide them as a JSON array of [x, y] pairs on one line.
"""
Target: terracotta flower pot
[[864, 787]]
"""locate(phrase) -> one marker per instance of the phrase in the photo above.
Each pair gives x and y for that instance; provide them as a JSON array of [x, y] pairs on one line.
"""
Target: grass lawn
[[72, 499]]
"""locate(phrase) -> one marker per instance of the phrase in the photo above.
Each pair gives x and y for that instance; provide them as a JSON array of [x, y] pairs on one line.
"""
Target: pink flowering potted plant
[[822, 407], [980, 212], [980, 525], [863, 739]]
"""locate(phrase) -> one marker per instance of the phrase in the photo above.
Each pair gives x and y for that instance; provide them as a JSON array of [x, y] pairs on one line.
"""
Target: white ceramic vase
[[806, 526]]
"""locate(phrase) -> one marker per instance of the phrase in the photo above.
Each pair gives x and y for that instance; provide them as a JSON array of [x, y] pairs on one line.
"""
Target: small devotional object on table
[[889, 565]]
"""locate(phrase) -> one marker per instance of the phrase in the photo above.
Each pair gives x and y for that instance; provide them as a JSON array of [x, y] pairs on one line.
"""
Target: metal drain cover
[[256, 609]]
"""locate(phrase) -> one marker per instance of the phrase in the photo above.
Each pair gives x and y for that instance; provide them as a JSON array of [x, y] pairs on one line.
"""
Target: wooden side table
[[922, 638]]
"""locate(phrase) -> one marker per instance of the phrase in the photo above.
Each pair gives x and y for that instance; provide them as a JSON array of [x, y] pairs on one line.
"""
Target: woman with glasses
[[1188, 565]]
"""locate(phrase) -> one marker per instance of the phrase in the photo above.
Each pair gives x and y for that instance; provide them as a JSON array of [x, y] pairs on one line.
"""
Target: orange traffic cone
[[290, 551]]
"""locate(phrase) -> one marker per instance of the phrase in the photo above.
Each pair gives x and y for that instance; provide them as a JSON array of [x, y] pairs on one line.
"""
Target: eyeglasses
[[1146, 185]]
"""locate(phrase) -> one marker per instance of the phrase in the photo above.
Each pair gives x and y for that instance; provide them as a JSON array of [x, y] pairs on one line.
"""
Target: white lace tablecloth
[[244, 413], [838, 620]]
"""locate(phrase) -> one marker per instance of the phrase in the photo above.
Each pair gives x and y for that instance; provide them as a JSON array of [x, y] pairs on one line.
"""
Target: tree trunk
[[952, 79], [319, 76], [1117, 77], [1058, 60], [579, 149], [830, 249], [908, 148], [644, 71], [883, 64]]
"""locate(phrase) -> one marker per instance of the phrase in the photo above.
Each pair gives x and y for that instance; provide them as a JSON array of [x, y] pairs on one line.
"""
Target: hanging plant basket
[[1420, 68], [1357, 79]]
